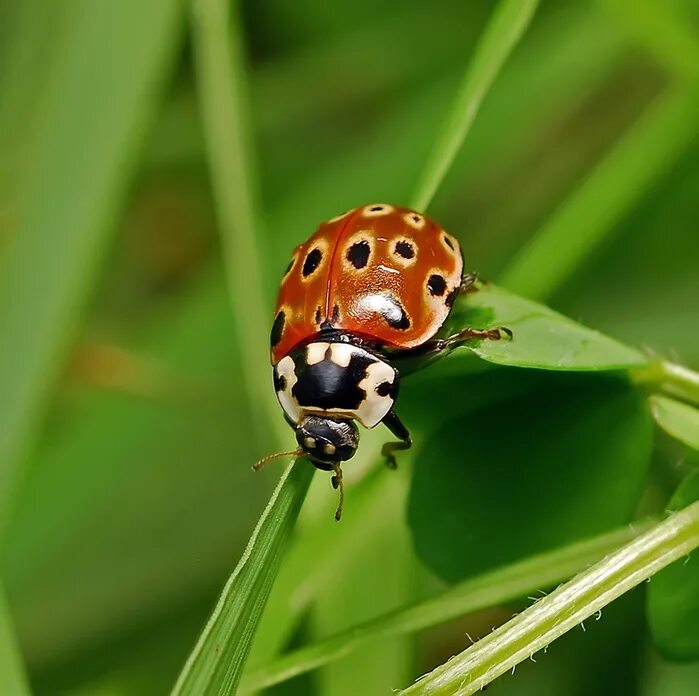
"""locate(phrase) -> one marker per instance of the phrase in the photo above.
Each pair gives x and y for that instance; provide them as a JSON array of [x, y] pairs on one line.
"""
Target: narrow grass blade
[[552, 616], [89, 120], [661, 28], [677, 419], [625, 175], [215, 664], [506, 26], [487, 590], [224, 104], [13, 680]]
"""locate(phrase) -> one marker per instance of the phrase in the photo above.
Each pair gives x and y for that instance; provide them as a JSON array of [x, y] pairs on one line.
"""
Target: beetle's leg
[[337, 483], [395, 425], [497, 333], [468, 283]]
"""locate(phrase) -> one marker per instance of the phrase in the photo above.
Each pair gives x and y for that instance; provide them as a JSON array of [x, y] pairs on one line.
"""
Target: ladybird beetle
[[371, 287]]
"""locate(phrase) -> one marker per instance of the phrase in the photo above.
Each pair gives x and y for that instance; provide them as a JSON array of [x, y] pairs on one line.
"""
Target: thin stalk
[[222, 84], [487, 590], [673, 379], [552, 616], [505, 27]]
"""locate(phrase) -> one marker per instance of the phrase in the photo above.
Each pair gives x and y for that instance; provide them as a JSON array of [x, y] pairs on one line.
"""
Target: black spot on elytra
[[395, 315], [447, 241], [336, 314], [449, 301], [289, 267], [277, 329], [405, 249], [358, 254], [315, 256], [436, 284], [318, 316], [326, 384], [387, 389], [416, 219], [376, 208], [279, 382]]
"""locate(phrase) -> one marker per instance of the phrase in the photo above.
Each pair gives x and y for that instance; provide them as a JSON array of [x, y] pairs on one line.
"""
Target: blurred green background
[[132, 496]]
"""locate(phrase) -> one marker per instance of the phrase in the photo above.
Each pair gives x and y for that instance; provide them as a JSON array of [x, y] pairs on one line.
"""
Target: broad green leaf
[[520, 476], [216, 663], [99, 93], [490, 589], [506, 26], [565, 608], [677, 419], [673, 596], [542, 338]]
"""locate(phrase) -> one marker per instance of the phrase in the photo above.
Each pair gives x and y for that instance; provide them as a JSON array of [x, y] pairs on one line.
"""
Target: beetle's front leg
[[395, 425]]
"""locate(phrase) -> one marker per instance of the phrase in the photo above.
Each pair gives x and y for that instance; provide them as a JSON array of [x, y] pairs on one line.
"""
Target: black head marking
[[404, 249], [313, 259], [327, 441], [447, 241], [436, 284], [358, 254], [277, 328]]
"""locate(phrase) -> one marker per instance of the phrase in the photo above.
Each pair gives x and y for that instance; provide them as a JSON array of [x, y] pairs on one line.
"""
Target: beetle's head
[[327, 441]]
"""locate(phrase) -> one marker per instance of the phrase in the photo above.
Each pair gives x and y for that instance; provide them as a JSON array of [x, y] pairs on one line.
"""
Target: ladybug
[[369, 289]]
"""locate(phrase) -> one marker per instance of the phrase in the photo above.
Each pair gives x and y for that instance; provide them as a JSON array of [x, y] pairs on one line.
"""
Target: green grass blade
[[662, 29], [487, 590], [222, 90], [506, 26], [566, 607], [634, 165], [215, 664], [92, 116], [13, 679]]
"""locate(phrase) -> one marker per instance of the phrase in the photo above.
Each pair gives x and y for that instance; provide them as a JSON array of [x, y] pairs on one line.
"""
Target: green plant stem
[[673, 379], [552, 616], [223, 95], [506, 26], [637, 162], [13, 679], [474, 594], [216, 662]]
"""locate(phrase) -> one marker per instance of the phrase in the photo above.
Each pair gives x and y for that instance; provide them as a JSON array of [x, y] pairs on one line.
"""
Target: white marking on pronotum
[[329, 448], [341, 354], [316, 352], [375, 407], [285, 368]]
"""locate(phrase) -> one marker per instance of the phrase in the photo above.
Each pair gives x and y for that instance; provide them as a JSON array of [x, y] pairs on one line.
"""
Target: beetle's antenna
[[265, 460], [337, 483]]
